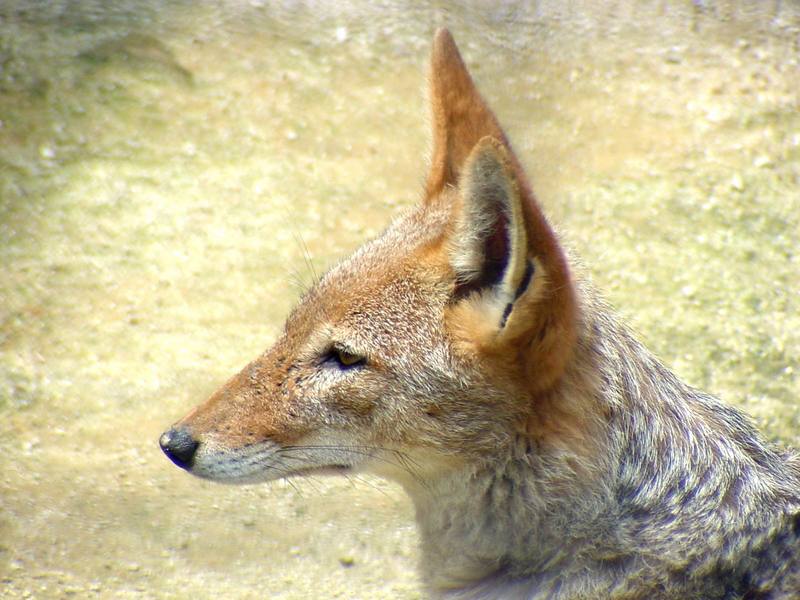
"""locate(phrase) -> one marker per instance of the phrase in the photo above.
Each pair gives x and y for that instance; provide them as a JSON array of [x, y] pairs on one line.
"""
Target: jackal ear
[[489, 244], [513, 287]]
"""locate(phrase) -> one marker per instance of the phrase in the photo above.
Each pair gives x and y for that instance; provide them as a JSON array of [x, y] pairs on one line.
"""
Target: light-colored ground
[[172, 174]]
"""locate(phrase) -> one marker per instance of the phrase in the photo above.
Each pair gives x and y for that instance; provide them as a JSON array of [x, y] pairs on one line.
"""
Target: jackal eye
[[344, 359]]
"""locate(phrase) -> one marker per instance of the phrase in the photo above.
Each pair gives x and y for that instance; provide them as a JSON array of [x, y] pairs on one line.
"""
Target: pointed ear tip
[[443, 44], [442, 36]]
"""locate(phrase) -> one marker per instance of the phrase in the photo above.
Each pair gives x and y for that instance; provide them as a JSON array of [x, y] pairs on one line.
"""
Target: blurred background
[[173, 173]]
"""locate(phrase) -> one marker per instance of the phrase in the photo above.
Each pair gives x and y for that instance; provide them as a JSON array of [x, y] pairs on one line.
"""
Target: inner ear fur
[[489, 249]]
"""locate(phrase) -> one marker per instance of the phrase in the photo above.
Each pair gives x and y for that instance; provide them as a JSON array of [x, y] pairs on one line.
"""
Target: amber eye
[[345, 358]]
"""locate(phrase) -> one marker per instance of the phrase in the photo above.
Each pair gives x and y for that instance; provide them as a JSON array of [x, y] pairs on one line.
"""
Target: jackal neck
[[677, 483], [502, 520]]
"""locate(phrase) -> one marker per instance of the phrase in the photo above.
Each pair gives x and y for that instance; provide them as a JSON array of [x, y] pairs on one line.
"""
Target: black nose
[[179, 445]]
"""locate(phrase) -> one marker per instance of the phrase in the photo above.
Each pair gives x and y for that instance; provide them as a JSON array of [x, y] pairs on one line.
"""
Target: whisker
[[353, 479], [306, 255], [292, 485], [297, 282]]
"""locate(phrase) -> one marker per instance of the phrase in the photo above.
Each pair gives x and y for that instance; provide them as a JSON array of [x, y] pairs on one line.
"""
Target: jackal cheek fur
[[548, 453]]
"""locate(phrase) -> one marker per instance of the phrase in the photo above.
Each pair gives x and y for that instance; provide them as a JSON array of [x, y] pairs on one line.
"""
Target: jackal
[[548, 454]]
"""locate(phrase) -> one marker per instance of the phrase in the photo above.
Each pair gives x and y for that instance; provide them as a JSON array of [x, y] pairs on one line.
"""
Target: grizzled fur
[[687, 500], [548, 454]]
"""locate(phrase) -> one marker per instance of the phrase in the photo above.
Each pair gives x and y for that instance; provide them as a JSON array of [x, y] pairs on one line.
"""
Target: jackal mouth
[[263, 462]]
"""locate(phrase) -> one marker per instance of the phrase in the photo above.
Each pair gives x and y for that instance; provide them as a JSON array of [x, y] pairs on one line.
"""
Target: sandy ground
[[173, 174]]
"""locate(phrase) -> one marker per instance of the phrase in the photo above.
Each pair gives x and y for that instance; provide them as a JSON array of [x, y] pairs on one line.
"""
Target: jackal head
[[433, 345]]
